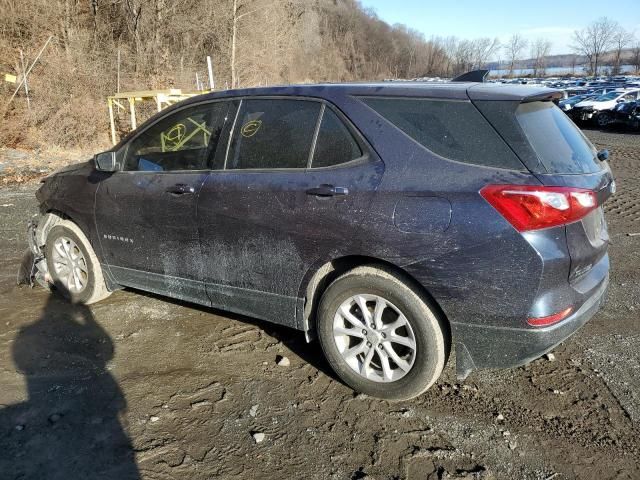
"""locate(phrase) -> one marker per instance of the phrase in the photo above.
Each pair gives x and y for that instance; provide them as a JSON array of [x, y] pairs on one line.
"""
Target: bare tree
[[594, 40], [513, 48], [635, 56], [482, 50], [539, 51], [164, 43], [621, 40]]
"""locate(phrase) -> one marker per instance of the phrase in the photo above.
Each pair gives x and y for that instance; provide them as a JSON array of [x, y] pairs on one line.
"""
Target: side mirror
[[603, 155], [620, 100], [106, 162]]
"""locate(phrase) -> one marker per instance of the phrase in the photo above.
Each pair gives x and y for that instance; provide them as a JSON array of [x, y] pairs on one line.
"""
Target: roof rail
[[472, 76]]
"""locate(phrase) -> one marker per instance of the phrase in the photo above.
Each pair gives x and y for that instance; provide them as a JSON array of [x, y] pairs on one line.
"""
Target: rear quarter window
[[453, 129], [560, 146], [335, 144]]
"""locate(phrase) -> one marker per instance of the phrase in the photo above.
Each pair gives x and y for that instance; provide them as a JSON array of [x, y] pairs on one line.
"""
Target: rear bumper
[[481, 346]]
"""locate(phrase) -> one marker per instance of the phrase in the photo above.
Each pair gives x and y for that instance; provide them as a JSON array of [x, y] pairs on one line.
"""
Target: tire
[[603, 119], [424, 328], [68, 236]]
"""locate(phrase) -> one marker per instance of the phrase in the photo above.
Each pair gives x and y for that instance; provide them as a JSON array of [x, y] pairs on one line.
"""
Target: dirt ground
[[139, 386]]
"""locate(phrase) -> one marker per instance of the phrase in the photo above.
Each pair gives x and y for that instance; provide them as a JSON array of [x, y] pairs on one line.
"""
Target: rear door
[[268, 216], [146, 213]]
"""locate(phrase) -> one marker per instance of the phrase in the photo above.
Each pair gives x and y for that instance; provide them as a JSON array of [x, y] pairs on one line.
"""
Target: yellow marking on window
[[249, 129], [176, 137]]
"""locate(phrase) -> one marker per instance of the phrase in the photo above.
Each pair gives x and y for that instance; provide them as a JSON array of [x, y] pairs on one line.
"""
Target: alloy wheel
[[374, 338], [69, 264]]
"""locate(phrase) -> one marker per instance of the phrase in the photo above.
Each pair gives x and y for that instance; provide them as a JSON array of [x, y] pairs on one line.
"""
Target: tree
[[621, 39], [482, 50], [539, 52], [513, 48], [594, 40], [635, 56]]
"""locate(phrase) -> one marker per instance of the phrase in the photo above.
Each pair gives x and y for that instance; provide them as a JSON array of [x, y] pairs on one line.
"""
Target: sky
[[554, 20]]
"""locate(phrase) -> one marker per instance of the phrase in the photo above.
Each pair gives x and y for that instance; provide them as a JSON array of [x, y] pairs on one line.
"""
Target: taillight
[[551, 319], [529, 207]]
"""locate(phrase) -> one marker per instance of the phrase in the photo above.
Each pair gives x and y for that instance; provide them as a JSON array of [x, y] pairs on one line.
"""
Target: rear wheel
[[603, 119], [73, 266], [381, 336]]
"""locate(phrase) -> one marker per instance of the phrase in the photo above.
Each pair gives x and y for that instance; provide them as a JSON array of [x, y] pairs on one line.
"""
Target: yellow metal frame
[[162, 98]]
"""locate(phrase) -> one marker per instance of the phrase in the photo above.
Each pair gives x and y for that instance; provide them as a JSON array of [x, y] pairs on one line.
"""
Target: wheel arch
[[320, 277], [52, 217]]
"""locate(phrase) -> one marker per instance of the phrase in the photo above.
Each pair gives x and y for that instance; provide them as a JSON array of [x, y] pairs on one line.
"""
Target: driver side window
[[181, 141]]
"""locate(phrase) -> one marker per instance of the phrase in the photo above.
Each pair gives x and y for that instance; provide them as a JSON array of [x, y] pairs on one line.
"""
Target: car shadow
[[70, 426], [293, 339]]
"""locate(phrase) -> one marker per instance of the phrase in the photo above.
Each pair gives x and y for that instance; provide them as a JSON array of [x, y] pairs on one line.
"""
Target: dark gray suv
[[388, 220]]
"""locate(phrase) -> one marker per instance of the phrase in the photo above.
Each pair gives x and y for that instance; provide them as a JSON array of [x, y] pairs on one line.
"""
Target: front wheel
[[381, 336], [73, 266]]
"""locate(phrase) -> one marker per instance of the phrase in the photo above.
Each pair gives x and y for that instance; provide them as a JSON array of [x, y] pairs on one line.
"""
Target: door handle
[[326, 190], [180, 189]]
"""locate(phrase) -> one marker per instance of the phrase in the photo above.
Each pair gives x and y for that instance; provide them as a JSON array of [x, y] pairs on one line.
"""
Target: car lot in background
[[597, 109]]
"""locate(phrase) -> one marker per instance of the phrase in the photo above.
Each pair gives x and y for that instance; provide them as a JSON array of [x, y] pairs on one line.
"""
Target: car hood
[[596, 105], [69, 169]]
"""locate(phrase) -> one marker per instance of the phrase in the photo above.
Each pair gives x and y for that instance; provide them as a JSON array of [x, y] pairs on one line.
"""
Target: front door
[[146, 213]]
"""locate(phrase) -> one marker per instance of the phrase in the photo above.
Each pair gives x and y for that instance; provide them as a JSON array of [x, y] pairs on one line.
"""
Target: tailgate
[[556, 151]]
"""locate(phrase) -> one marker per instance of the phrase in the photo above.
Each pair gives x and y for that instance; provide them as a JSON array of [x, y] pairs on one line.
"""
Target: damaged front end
[[33, 268]]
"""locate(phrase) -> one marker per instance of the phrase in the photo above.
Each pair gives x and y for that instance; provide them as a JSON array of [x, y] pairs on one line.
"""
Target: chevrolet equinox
[[390, 221]]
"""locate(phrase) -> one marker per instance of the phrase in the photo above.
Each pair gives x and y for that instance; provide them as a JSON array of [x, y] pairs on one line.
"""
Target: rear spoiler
[[472, 76], [543, 97], [517, 93]]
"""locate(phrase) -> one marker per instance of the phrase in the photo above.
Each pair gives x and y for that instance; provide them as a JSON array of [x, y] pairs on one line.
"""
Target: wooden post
[[112, 122], [26, 85], [26, 73], [118, 81], [210, 69], [233, 43], [132, 111]]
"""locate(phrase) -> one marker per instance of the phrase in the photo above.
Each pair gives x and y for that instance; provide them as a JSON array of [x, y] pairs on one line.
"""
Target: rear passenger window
[[273, 133], [449, 128], [335, 144]]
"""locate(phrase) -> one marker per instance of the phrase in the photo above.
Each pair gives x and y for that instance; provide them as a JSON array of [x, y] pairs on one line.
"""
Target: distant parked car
[[388, 220], [597, 109], [568, 103], [628, 114]]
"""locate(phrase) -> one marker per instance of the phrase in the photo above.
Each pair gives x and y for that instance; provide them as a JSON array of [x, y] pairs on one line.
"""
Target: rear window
[[558, 143], [449, 128]]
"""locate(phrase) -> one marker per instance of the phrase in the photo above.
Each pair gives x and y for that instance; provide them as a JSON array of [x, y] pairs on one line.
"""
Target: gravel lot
[[138, 386]]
